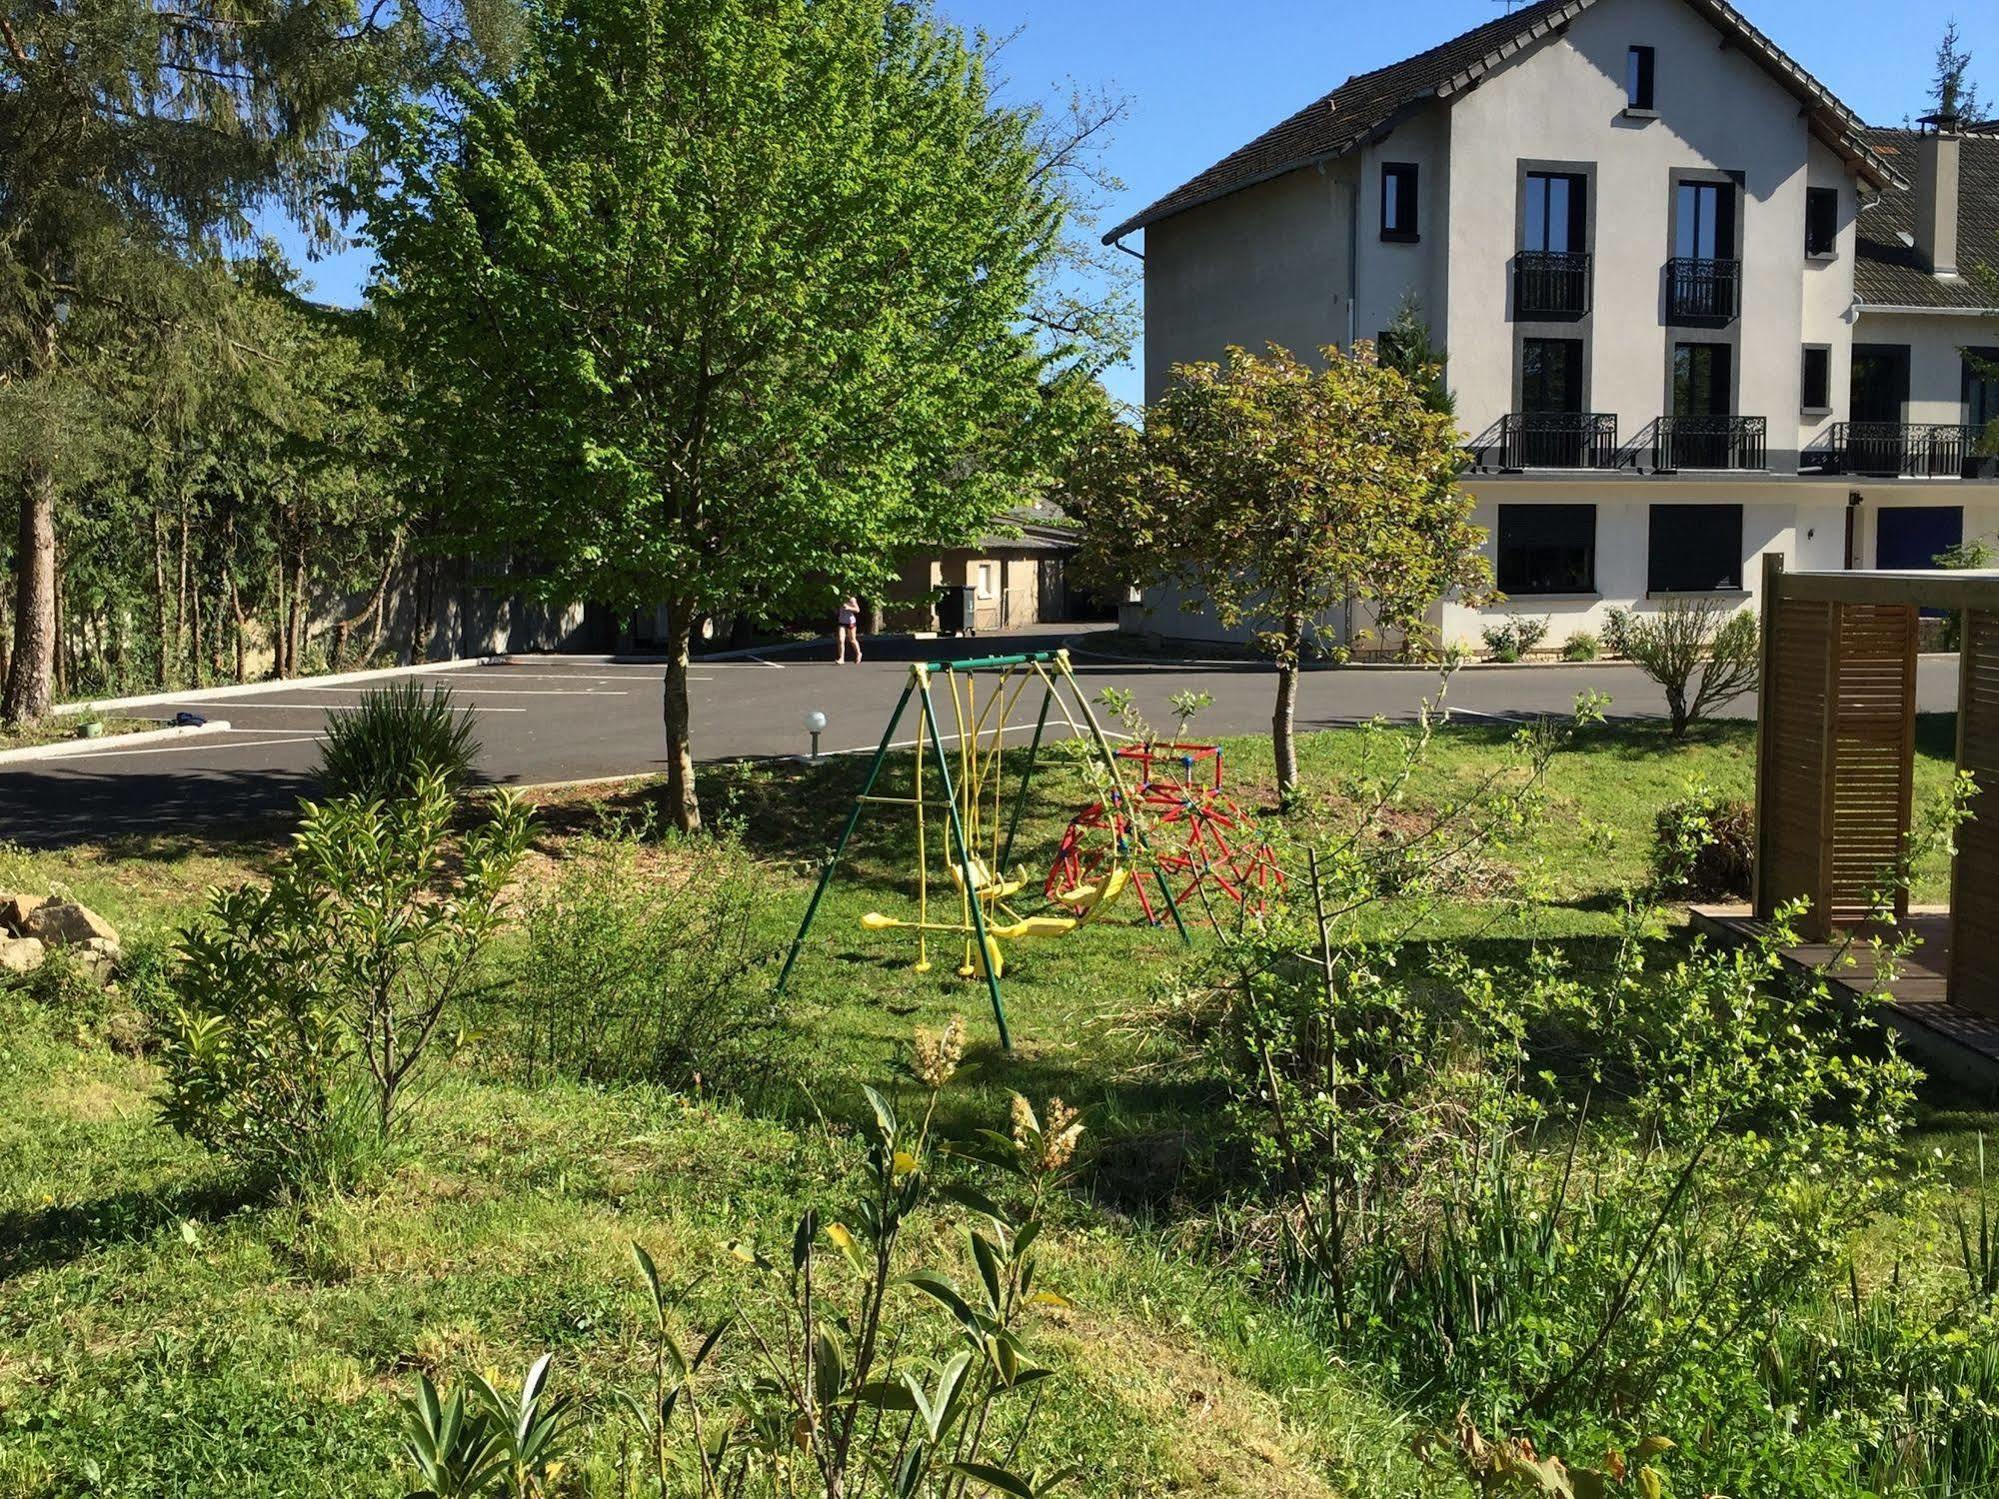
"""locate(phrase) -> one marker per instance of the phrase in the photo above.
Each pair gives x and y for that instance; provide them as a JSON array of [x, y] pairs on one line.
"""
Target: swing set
[[980, 910]]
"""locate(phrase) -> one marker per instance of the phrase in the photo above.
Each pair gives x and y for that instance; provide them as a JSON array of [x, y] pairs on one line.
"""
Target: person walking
[[848, 619]]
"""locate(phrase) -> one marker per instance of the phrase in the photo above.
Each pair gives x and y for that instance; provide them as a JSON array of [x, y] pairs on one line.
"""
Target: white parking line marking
[[237, 705], [542, 692], [217, 743]]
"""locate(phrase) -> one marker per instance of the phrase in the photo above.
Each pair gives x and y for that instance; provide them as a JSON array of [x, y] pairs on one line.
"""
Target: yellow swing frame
[[974, 803]]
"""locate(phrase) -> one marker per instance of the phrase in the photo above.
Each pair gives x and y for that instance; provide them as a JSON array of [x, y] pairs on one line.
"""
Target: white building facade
[[1694, 309]]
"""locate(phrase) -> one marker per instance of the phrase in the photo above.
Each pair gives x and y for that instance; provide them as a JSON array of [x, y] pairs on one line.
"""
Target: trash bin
[[957, 609]]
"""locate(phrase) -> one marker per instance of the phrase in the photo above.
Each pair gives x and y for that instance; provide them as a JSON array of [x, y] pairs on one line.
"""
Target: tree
[[1407, 349], [1279, 491], [132, 133], [723, 305], [1686, 638], [1952, 91]]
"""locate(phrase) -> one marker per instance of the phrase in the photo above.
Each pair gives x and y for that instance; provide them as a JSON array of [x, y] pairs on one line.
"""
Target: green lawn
[[160, 1332]]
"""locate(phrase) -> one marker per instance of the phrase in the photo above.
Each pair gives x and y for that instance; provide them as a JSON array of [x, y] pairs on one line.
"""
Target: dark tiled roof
[[1887, 270], [1336, 123]]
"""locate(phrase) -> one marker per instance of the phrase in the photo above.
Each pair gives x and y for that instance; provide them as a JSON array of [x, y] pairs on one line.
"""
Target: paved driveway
[[557, 719]]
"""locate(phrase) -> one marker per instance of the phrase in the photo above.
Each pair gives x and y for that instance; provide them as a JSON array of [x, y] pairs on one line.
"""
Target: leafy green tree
[[722, 305], [1277, 491], [134, 133]]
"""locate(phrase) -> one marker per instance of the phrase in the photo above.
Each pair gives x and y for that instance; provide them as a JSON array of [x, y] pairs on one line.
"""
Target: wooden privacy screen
[[1792, 756], [1836, 762], [1974, 893]]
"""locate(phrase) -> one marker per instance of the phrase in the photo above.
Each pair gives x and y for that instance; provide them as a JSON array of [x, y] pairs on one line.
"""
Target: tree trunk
[[279, 666], [31, 665], [31, 668], [301, 629], [159, 602], [65, 671], [1676, 706], [236, 612], [681, 801], [180, 592], [1283, 722]]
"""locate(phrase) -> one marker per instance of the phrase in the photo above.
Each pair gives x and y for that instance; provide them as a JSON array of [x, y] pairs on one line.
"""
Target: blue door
[[1911, 536]]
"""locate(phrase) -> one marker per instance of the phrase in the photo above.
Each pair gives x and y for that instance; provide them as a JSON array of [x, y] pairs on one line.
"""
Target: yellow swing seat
[[987, 888], [1087, 900]]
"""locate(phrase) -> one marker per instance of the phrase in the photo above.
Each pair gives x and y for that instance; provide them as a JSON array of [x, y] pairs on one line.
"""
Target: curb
[[243, 689], [1072, 646], [112, 743]]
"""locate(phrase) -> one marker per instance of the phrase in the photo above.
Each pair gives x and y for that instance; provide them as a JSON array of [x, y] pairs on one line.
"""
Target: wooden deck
[[1956, 1041]]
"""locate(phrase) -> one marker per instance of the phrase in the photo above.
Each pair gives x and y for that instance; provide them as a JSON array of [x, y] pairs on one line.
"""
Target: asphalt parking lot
[[566, 719]]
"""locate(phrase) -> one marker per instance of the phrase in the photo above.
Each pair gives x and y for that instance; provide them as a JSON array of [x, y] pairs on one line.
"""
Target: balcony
[[1904, 450], [1700, 290], [1735, 443], [1550, 283], [1547, 439]]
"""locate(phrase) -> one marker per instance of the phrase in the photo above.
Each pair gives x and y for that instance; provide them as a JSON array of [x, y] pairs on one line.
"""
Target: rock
[[16, 909], [69, 923], [21, 954], [96, 958]]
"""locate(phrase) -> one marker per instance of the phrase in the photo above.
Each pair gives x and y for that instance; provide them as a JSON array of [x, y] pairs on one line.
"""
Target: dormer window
[[1398, 201], [1638, 77]]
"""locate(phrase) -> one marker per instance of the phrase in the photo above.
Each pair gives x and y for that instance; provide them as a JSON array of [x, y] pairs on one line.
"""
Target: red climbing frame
[[1199, 833]]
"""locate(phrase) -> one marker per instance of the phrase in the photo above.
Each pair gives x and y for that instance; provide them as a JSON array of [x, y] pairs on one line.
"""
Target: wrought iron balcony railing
[[1904, 450], [1702, 290], [1550, 283], [1546, 439], [1719, 442]]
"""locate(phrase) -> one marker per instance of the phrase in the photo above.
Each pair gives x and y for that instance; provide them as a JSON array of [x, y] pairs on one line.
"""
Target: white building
[[1694, 309]]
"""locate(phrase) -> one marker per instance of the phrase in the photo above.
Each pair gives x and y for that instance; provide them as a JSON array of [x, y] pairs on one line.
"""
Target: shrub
[[1514, 637], [1703, 653], [1583, 1203], [383, 748], [1581, 646], [845, 1369], [298, 1014], [1617, 630], [636, 968], [1704, 844]]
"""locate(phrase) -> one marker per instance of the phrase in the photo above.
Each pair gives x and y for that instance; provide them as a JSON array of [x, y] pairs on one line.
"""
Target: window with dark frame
[[1556, 208], [1815, 383], [1981, 387], [1398, 200], [1704, 221], [1821, 221], [1701, 384], [1694, 549], [1547, 549], [1551, 374], [1638, 77]]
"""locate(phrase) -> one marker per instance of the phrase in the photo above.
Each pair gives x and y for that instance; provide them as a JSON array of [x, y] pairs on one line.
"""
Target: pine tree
[[1953, 93], [133, 132]]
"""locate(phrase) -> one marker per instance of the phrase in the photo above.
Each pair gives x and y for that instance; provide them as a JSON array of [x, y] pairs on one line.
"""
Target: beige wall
[[1802, 519], [1936, 365], [1389, 269], [1266, 265], [1828, 299], [1717, 111]]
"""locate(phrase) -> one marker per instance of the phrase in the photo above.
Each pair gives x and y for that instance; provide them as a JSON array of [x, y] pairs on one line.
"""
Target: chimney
[[1936, 193]]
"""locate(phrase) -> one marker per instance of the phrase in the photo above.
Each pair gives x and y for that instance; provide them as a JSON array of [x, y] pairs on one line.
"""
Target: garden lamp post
[[815, 725]]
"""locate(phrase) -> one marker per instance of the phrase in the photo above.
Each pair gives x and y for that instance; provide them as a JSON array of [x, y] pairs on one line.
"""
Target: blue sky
[[1204, 76]]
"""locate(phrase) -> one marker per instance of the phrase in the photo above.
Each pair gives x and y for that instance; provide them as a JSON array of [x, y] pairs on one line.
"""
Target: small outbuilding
[[1835, 775]]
